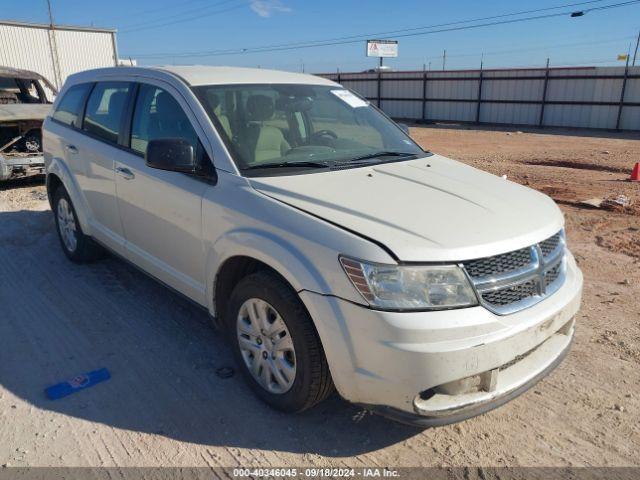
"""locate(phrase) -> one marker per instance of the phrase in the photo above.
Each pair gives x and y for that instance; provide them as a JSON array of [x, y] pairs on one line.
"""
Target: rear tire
[[77, 246], [281, 356]]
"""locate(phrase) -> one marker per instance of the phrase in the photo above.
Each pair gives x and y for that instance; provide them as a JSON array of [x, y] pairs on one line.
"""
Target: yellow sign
[[622, 57]]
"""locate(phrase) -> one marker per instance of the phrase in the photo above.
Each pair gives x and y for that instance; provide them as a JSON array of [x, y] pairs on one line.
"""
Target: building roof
[[13, 23]]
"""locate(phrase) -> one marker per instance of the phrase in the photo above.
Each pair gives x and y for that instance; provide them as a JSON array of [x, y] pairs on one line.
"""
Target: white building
[[57, 52]]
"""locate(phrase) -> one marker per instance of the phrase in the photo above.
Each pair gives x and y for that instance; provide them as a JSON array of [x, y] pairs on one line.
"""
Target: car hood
[[429, 209], [24, 111]]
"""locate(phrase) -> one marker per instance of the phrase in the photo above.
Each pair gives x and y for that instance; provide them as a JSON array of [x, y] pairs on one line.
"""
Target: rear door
[[84, 132], [161, 211], [99, 150]]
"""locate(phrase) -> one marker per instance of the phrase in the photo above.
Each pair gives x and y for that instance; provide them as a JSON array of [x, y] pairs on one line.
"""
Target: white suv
[[328, 245]]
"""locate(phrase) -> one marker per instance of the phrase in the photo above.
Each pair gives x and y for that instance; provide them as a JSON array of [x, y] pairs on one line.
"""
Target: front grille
[[509, 295], [552, 274], [507, 262], [550, 244], [509, 282]]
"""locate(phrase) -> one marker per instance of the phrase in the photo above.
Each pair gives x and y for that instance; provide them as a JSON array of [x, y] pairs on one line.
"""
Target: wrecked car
[[25, 100]]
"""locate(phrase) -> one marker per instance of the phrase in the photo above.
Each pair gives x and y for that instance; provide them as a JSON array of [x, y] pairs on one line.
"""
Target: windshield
[[291, 128]]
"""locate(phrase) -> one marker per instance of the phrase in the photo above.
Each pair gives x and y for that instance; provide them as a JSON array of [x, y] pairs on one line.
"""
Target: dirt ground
[[165, 405]]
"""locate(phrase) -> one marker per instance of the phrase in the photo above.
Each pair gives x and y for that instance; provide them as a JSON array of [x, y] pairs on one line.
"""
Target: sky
[[188, 31]]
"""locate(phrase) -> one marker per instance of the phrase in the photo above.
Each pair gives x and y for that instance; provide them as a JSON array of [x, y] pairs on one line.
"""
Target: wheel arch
[[243, 252], [58, 174], [230, 273], [52, 183]]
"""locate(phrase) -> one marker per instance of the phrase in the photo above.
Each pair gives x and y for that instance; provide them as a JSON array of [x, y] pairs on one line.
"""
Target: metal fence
[[584, 97]]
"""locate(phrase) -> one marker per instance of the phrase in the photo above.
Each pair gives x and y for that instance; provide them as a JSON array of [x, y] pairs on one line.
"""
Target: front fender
[[270, 249], [57, 166]]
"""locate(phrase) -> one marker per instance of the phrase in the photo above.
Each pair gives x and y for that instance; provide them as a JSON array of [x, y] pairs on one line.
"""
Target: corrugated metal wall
[[587, 97], [29, 46]]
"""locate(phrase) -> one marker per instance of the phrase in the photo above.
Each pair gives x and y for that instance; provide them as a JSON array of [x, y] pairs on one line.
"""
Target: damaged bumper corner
[[507, 382]]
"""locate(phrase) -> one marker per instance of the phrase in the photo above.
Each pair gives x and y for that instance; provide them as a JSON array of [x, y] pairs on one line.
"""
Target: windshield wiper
[[351, 161], [376, 155], [287, 164]]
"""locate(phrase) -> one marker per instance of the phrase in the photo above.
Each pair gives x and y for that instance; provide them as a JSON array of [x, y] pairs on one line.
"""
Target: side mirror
[[173, 154], [404, 127]]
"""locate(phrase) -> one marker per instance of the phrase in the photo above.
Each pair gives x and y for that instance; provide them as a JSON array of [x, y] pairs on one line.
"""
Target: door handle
[[125, 173], [71, 149]]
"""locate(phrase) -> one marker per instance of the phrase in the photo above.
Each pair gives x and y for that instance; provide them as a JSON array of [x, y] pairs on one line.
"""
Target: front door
[[161, 211]]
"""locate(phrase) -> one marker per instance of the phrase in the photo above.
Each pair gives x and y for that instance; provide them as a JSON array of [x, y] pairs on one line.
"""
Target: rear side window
[[105, 108], [70, 106], [158, 115]]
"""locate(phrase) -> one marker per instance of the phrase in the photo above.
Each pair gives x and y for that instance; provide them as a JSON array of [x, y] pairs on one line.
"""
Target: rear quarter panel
[[54, 137]]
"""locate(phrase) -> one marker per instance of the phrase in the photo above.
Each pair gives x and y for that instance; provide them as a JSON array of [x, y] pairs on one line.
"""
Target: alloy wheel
[[67, 225]]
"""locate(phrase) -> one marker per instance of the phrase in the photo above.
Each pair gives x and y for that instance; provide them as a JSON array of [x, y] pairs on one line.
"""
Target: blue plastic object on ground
[[77, 383]]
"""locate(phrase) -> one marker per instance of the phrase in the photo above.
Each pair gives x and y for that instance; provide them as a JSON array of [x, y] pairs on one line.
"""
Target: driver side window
[[158, 115]]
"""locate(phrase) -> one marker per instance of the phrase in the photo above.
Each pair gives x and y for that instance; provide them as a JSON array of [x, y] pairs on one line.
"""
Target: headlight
[[399, 287]]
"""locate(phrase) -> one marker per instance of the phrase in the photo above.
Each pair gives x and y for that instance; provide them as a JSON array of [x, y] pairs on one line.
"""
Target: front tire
[[77, 246], [276, 344]]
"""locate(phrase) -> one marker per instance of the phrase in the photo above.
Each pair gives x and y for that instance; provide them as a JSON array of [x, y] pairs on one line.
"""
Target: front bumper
[[19, 166], [434, 368], [442, 409]]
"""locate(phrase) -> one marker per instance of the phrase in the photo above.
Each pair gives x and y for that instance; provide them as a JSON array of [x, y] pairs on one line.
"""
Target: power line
[[485, 53], [170, 19], [329, 42], [173, 22], [504, 22], [153, 10], [300, 45], [391, 32], [532, 48], [493, 17]]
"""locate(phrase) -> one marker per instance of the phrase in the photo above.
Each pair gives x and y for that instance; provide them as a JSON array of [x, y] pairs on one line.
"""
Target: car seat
[[268, 142]]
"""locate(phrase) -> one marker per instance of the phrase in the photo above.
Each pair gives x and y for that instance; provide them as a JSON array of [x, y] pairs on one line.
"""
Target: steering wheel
[[323, 133]]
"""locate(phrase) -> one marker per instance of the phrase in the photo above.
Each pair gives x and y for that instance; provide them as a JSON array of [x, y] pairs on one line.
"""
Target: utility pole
[[624, 87], [636, 52], [444, 59], [54, 49], [544, 95]]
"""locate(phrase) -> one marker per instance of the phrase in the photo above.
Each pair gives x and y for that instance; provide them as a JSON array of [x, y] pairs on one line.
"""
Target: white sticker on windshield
[[349, 98]]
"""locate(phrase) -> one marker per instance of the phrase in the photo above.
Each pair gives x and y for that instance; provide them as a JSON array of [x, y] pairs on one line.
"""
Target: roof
[[78, 28], [9, 72], [197, 75], [207, 75]]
